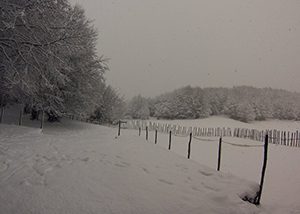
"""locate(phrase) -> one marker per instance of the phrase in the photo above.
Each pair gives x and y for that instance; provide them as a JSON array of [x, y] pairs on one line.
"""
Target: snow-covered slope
[[243, 158], [83, 168]]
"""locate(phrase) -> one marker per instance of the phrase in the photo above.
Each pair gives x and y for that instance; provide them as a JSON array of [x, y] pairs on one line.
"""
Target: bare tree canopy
[[48, 57]]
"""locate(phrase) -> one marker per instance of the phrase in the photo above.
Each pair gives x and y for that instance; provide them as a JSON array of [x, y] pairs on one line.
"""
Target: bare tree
[[48, 56]]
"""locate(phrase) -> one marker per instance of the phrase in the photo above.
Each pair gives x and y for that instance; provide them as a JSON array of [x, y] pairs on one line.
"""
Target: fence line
[[275, 136], [279, 137], [255, 199]]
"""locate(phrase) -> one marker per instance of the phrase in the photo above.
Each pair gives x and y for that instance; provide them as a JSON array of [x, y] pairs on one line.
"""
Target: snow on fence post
[[146, 132], [219, 153], [258, 196], [189, 146], [155, 138], [170, 139]]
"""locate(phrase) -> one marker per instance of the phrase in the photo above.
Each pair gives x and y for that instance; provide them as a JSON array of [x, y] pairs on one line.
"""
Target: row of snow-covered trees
[[48, 60], [241, 103]]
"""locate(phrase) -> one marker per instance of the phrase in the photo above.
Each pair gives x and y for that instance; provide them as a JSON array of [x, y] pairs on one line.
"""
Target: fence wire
[[179, 135], [204, 139], [241, 145]]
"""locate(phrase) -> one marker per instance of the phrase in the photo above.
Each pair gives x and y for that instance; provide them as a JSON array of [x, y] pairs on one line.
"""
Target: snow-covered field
[[82, 168], [282, 182], [75, 167]]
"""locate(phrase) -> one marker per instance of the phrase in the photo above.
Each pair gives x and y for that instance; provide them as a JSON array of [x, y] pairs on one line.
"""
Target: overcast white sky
[[156, 46]]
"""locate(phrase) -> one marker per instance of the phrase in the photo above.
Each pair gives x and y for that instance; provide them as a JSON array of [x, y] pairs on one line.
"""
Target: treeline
[[49, 62], [242, 103]]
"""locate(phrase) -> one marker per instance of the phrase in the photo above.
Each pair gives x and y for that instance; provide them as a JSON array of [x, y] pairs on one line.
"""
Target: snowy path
[[90, 171]]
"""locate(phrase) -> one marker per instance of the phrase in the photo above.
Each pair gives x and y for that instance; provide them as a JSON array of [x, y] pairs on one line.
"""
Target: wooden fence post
[[170, 138], [146, 132], [189, 147], [155, 140], [120, 122], [139, 131], [258, 196], [42, 120], [2, 114], [219, 153], [297, 138], [119, 131], [21, 116]]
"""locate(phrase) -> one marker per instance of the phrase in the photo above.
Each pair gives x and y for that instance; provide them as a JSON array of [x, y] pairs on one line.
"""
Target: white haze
[[159, 45]]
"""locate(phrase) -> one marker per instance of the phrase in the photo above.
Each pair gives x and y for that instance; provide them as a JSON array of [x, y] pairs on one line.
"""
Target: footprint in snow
[[205, 173], [188, 180], [3, 166], [211, 188], [196, 189], [122, 164], [49, 169], [165, 181], [119, 165], [145, 170], [85, 159]]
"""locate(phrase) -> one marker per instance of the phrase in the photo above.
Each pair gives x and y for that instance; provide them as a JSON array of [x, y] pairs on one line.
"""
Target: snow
[[282, 182], [73, 167], [82, 168]]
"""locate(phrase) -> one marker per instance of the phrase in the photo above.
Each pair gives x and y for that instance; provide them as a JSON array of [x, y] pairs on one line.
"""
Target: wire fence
[[200, 134]]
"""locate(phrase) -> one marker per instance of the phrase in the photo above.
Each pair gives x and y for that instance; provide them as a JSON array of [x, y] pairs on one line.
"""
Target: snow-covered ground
[[282, 182], [82, 168], [74, 167]]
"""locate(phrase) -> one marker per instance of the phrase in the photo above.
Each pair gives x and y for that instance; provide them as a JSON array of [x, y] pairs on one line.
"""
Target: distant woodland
[[242, 103]]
